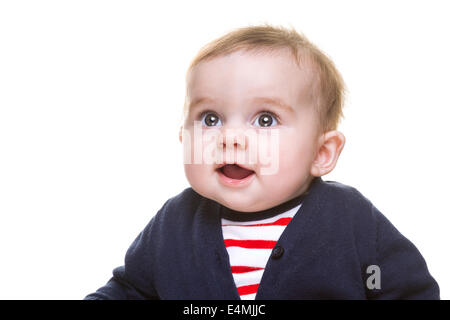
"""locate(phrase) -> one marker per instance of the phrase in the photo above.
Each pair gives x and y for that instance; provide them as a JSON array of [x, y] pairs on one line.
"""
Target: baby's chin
[[238, 200], [241, 202]]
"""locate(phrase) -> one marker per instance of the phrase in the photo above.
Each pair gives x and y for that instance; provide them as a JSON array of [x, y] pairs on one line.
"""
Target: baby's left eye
[[265, 119]]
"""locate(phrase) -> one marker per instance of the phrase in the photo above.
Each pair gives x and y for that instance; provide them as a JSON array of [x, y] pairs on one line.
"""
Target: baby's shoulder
[[181, 206], [340, 194], [343, 201], [185, 199]]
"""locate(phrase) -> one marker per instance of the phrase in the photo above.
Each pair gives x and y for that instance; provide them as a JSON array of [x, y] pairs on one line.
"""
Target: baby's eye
[[265, 119], [209, 119]]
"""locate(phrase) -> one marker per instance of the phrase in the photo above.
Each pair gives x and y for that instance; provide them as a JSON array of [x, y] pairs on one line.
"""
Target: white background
[[91, 94]]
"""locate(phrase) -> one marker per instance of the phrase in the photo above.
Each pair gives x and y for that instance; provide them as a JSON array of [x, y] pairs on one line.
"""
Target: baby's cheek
[[294, 156], [195, 174], [267, 151]]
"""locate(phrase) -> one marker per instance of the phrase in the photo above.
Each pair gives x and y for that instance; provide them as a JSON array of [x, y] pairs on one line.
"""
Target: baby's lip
[[238, 164]]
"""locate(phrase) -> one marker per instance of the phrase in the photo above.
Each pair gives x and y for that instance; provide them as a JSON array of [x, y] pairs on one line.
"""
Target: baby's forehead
[[251, 73]]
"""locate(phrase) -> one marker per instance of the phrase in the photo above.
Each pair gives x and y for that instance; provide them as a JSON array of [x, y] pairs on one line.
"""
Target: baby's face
[[255, 110]]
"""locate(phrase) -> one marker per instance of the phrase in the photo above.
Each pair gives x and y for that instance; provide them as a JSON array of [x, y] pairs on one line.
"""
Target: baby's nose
[[231, 138]]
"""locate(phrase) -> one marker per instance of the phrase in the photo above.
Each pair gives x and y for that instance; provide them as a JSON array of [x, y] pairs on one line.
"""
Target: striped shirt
[[249, 239]]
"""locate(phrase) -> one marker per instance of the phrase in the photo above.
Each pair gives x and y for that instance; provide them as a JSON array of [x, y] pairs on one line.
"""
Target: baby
[[258, 222]]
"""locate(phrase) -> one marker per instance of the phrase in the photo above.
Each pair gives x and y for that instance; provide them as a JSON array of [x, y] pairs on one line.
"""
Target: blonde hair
[[329, 86]]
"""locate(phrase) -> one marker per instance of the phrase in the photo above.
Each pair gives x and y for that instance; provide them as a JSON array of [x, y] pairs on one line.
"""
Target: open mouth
[[234, 171]]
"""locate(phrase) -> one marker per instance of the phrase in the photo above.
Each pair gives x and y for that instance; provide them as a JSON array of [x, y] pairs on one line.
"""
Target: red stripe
[[248, 289], [279, 222], [250, 244], [243, 269]]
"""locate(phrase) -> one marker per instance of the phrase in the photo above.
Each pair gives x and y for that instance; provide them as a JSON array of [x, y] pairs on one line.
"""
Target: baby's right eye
[[209, 119]]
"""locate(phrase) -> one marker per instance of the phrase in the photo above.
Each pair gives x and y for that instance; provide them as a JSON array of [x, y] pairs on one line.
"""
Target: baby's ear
[[330, 146], [180, 135]]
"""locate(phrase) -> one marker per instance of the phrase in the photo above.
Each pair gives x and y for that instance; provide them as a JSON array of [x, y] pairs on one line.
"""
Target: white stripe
[[248, 296], [247, 278], [248, 257], [253, 233]]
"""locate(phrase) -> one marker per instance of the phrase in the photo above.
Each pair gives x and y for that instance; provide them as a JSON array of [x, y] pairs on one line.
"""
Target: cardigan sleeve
[[132, 281], [404, 273]]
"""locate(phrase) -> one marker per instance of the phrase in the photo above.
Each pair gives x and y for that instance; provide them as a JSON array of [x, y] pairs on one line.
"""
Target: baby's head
[[268, 100]]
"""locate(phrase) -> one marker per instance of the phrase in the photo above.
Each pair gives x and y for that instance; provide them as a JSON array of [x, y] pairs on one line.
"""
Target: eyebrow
[[274, 101], [267, 100], [198, 101]]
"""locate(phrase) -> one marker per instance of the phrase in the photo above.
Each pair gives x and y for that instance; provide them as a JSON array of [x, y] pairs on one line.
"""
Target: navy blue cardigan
[[326, 250]]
